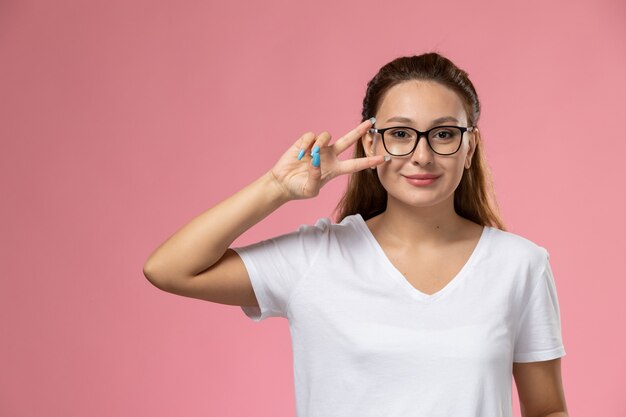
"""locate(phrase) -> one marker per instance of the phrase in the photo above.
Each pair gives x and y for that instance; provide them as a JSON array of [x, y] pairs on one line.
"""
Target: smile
[[421, 182]]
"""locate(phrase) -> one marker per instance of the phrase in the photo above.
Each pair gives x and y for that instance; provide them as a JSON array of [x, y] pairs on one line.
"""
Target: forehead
[[421, 101]]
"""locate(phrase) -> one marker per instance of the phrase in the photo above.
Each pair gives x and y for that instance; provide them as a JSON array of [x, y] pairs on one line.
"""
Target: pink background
[[122, 120]]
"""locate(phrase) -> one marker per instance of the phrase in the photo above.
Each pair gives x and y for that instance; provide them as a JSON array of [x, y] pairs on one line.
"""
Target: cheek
[[394, 165], [389, 172], [379, 148]]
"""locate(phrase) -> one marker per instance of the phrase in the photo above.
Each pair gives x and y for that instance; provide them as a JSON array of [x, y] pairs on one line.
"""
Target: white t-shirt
[[367, 343]]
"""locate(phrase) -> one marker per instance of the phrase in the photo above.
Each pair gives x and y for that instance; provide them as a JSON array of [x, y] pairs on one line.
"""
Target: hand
[[300, 179]]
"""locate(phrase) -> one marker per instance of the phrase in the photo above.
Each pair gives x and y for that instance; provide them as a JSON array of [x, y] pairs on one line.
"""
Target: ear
[[369, 143], [472, 146]]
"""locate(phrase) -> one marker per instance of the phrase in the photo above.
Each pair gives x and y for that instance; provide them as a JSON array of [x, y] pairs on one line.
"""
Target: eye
[[445, 134], [400, 133]]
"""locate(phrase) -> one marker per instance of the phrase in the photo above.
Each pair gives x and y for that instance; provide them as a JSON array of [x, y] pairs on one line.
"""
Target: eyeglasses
[[443, 140]]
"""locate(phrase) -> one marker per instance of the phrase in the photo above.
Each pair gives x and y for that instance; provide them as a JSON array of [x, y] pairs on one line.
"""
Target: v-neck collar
[[396, 274]]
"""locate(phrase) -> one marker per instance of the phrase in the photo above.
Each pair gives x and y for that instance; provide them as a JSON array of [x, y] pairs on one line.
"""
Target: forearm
[[203, 240]]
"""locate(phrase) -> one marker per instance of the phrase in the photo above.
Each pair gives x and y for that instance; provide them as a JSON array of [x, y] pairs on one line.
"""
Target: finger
[[351, 137], [320, 143], [304, 143], [315, 166], [358, 164], [322, 140]]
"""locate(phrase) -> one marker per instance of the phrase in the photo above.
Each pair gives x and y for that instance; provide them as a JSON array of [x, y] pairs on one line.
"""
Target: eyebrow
[[438, 120]]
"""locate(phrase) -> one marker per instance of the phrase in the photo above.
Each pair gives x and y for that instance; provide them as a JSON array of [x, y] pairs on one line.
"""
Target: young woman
[[418, 302]]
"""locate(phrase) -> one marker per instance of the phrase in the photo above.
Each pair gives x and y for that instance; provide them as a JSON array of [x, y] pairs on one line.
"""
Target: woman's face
[[421, 103]]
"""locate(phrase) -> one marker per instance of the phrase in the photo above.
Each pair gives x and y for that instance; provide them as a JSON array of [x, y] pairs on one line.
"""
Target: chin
[[420, 196], [419, 201]]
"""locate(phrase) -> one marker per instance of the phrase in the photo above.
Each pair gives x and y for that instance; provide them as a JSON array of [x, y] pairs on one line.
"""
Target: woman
[[417, 302]]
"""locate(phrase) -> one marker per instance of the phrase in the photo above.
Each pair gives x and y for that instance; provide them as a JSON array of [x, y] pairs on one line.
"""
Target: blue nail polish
[[316, 160], [316, 149], [301, 154]]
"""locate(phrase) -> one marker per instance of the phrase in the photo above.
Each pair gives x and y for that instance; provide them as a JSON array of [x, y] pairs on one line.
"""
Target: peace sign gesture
[[310, 162]]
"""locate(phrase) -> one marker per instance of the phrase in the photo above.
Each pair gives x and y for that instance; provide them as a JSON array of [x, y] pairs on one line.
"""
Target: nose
[[422, 154]]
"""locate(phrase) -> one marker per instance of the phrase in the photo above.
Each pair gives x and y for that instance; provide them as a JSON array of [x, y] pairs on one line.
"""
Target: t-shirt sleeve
[[276, 266], [539, 332]]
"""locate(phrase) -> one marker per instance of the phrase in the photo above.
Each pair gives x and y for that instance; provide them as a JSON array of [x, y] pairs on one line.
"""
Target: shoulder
[[325, 226], [326, 233], [513, 246], [351, 222]]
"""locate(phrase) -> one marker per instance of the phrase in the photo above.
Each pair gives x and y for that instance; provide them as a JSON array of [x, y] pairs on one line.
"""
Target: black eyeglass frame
[[419, 136]]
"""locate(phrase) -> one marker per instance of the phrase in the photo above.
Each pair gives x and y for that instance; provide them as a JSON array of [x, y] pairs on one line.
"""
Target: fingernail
[[316, 149], [387, 158], [301, 154], [373, 120], [316, 160]]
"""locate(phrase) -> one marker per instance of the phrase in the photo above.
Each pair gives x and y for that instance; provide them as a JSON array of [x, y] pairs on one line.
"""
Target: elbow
[[150, 272]]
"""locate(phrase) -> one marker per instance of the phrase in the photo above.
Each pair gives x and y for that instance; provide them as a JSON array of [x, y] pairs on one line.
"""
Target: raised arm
[[203, 241], [196, 260]]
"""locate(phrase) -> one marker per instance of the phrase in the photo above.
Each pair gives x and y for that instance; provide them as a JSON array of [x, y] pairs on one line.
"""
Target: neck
[[411, 226]]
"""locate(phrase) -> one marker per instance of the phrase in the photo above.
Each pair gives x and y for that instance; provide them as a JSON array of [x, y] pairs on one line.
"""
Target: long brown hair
[[474, 198]]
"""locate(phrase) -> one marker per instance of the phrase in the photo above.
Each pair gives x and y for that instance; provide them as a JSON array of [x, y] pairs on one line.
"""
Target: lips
[[422, 176]]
